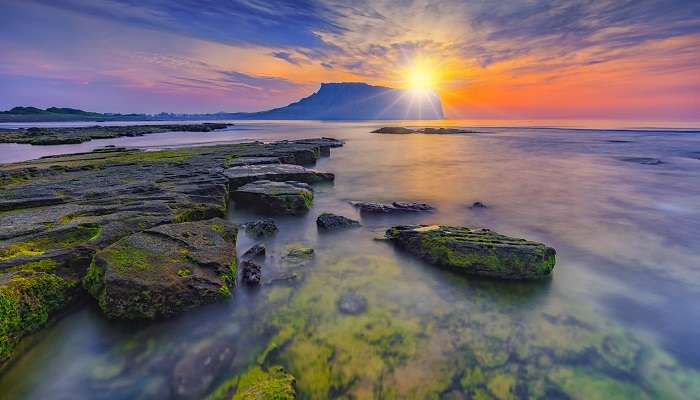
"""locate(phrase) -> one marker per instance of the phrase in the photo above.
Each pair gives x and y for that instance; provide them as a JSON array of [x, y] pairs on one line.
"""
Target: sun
[[420, 77]]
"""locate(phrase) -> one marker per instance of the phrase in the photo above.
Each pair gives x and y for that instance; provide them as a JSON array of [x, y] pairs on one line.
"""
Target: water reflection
[[615, 321]]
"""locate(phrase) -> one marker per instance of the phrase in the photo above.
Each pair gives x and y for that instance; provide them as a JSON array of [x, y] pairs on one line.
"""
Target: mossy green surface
[[56, 240], [258, 384], [27, 302]]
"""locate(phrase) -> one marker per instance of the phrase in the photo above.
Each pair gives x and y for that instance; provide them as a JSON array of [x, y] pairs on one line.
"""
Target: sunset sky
[[612, 59]]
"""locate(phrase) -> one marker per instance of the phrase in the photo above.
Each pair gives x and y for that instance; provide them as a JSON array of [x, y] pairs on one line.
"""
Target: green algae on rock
[[279, 198], [274, 383], [476, 251], [165, 270]]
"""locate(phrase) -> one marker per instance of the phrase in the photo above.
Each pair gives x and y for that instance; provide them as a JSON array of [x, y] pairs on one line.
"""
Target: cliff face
[[355, 101]]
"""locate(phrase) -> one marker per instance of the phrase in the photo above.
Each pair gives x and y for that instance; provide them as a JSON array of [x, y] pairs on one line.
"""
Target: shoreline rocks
[[244, 174], [395, 207], [398, 130], [475, 251], [165, 270], [261, 228], [277, 198], [332, 222]]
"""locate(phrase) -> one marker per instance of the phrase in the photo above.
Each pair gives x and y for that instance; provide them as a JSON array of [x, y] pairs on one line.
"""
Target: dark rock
[[328, 221], [261, 228], [351, 303], [250, 273], [394, 130], [475, 251], [196, 371], [279, 198], [395, 207], [257, 251], [643, 160], [477, 205], [165, 270], [242, 161], [239, 176]]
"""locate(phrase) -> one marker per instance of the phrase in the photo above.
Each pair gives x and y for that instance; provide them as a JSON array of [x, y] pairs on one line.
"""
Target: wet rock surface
[[241, 175], [163, 271], [476, 251], [257, 251], [332, 222], [478, 205], [251, 273], [50, 135], [58, 211], [278, 198], [351, 303], [395, 207], [260, 229]]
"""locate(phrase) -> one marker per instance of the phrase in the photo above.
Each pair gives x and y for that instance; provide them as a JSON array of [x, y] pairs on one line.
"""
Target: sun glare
[[420, 78]]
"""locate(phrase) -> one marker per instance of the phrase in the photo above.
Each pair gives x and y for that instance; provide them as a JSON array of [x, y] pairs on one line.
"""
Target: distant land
[[333, 101]]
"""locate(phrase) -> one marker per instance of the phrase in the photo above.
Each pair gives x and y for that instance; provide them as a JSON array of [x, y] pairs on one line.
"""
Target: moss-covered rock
[[476, 251], [279, 198], [165, 270], [30, 296], [258, 384]]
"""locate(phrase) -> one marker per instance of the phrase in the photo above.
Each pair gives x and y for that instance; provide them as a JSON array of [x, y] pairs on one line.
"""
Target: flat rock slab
[[475, 251], [279, 198], [241, 175], [165, 270], [395, 207], [242, 161]]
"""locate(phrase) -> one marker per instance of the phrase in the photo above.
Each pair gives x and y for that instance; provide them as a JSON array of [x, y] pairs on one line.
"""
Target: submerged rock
[[643, 160], [395, 207], [257, 251], [165, 270], [478, 205], [329, 222], [476, 251], [351, 303], [261, 228], [251, 273], [279, 198], [198, 369], [275, 383], [298, 255], [241, 175]]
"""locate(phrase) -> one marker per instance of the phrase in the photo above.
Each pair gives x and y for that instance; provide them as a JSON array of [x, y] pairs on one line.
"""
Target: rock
[[165, 270], [251, 273], [328, 221], [279, 198], [643, 160], [241, 161], [394, 130], [476, 251], [257, 384], [261, 228], [351, 303], [241, 175], [298, 255], [257, 251], [197, 370], [477, 205], [395, 207]]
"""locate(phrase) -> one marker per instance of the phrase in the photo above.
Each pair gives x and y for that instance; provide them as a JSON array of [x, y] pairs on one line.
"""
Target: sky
[[507, 59]]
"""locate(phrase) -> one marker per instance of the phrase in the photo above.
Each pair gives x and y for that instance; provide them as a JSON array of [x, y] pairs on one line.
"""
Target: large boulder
[[332, 222], [393, 208], [165, 270], [279, 198], [476, 251], [240, 175]]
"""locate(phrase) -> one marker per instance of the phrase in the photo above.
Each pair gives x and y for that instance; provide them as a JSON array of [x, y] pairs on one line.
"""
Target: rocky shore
[[144, 235], [51, 136]]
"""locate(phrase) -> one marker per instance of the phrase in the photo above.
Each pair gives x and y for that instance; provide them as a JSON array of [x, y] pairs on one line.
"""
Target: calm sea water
[[619, 318]]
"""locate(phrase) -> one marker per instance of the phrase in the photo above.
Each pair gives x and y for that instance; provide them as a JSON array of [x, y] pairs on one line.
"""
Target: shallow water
[[618, 319]]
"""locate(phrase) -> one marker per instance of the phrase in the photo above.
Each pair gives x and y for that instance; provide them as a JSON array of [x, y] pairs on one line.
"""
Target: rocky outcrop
[[475, 251], [332, 222], [241, 175], [393, 208], [278, 198], [398, 130], [165, 270]]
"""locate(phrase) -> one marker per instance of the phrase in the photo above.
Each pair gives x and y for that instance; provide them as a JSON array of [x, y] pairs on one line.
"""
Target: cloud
[[288, 57]]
